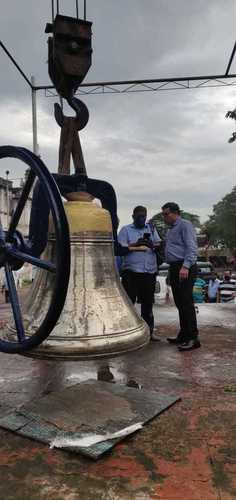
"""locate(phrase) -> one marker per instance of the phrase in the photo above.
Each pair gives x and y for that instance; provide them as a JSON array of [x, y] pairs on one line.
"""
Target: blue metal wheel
[[14, 253]]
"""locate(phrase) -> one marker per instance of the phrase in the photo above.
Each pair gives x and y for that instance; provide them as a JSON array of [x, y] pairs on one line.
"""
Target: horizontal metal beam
[[157, 84]]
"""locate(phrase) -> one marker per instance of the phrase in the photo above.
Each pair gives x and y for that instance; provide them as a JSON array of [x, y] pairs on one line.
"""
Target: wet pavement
[[212, 315], [188, 452]]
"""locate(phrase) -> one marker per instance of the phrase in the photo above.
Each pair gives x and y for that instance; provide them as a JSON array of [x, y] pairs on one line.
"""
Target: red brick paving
[[187, 453]]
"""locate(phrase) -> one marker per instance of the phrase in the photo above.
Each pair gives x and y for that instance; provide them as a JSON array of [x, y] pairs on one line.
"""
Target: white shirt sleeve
[[123, 237]]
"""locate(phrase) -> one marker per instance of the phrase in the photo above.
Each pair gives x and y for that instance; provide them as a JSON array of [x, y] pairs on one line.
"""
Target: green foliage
[[162, 228], [232, 114], [221, 226], [192, 217], [159, 224]]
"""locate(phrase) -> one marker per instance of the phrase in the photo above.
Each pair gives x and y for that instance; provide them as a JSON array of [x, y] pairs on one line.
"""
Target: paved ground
[[189, 452]]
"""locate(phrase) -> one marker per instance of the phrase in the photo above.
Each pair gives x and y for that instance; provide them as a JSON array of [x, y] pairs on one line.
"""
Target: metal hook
[[82, 113]]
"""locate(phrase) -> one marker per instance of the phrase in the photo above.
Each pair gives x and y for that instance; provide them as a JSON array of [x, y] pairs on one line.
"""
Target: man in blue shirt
[[139, 266], [181, 255]]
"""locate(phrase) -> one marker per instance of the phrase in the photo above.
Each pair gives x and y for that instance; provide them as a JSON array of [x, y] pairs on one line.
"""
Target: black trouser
[[7, 296], [183, 296], [211, 300], [141, 287]]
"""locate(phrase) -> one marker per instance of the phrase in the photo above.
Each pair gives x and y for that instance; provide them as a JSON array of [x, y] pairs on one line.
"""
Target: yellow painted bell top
[[86, 216]]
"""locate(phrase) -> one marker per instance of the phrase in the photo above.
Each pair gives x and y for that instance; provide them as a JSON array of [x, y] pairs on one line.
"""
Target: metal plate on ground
[[90, 408]]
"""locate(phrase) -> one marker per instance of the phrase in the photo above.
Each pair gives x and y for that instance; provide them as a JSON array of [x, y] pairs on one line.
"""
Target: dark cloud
[[151, 146]]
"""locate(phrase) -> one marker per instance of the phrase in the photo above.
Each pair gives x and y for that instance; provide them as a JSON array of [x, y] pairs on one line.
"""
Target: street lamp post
[[34, 118], [7, 189]]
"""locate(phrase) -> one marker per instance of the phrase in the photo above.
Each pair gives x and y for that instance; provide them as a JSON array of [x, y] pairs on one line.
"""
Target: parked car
[[204, 270], [162, 288]]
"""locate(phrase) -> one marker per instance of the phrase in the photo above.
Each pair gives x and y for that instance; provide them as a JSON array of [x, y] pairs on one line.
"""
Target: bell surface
[[98, 318]]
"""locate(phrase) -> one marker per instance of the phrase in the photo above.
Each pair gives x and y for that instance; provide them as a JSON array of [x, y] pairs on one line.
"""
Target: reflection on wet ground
[[23, 378]]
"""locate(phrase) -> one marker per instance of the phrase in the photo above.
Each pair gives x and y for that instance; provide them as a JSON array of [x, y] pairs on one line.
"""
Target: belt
[[180, 262]]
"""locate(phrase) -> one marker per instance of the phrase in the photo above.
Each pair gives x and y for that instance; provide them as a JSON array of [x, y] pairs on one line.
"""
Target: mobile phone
[[146, 236]]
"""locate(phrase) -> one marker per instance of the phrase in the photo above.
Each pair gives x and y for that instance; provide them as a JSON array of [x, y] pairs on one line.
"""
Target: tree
[[159, 224], [192, 218], [221, 226], [162, 228], [232, 114]]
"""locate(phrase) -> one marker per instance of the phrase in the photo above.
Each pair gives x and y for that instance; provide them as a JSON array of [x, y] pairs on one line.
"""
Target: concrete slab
[[88, 408]]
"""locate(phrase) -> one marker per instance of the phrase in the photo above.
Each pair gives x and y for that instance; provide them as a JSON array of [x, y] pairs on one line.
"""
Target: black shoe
[[189, 345], [154, 337], [175, 340]]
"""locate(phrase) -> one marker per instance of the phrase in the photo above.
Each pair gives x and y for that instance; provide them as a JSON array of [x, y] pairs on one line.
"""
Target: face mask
[[139, 221]]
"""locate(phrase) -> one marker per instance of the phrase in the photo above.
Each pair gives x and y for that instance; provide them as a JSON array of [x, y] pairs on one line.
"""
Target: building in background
[[9, 197], [6, 187]]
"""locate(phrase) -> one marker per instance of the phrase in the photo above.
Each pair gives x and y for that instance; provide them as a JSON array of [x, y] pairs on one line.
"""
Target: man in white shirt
[[139, 266], [212, 289]]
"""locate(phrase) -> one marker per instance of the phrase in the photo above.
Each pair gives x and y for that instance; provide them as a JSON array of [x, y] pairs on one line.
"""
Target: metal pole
[[85, 14], [15, 63], [7, 190], [77, 9], [34, 117], [231, 60], [58, 8], [53, 10]]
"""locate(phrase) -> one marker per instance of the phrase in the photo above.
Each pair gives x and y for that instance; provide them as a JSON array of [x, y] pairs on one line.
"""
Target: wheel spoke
[[15, 303], [21, 204], [44, 264]]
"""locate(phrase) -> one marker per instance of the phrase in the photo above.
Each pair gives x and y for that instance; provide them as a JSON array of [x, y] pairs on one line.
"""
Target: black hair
[[173, 207], [139, 208]]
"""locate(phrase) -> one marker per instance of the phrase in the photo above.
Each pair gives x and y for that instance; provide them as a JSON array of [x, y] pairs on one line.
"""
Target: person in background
[[227, 288], [139, 265], [199, 290], [5, 288], [181, 255], [168, 289], [212, 288]]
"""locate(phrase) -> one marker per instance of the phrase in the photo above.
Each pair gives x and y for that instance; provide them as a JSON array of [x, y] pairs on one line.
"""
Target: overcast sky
[[153, 146]]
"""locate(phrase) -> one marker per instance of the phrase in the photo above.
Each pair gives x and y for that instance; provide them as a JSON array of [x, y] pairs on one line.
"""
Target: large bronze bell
[[98, 318]]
